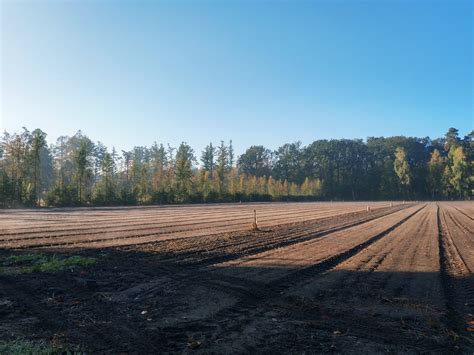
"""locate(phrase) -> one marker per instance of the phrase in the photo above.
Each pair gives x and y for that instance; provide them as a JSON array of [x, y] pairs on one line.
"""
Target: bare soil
[[316, 277]]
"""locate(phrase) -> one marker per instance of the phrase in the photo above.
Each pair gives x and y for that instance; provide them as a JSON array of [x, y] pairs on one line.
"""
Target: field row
[[120, 226]]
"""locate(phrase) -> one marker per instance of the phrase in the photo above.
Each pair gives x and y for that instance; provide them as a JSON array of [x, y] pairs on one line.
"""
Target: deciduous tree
[[402, 168]]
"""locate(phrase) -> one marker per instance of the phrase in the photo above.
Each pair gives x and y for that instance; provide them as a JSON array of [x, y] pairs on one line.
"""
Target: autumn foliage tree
[[402, 169]]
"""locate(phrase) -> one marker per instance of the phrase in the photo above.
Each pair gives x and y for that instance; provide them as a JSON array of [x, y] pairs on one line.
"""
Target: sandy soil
[[103, 227]]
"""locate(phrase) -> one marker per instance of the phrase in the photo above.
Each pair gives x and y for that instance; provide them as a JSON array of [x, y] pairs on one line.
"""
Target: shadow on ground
[[150, 302]]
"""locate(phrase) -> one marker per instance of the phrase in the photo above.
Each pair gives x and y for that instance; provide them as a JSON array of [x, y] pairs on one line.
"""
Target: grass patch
[[14, 259], [25, 347], [20, 346], [32, 263]]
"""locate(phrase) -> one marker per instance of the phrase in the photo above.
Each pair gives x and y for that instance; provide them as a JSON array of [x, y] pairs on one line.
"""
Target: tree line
[[75, 171]]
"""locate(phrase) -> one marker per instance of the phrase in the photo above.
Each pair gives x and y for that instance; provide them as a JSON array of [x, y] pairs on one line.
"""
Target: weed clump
[[32, 263]]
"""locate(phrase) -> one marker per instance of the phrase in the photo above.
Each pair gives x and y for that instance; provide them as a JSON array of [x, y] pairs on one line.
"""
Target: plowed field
[[315, 277]]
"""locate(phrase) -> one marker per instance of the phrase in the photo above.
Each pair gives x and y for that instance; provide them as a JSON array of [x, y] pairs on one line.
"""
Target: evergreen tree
[[184, 165], [451, 139], [231, 154], [82, 165], [98, 152], [207, 158], [38, 144], [222, 165], [108, 172]]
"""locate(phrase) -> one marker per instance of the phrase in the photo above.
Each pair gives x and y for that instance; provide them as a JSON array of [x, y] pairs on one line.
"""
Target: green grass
[[32, 263], [14, 259], [23, 347]]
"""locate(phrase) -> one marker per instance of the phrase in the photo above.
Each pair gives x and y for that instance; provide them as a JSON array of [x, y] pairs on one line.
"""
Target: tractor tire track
[[453, 268], [264, 293]]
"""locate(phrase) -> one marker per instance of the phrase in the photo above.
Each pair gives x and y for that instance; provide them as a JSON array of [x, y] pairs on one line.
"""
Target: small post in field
[[368, 209], [254, 224], [391, 204]]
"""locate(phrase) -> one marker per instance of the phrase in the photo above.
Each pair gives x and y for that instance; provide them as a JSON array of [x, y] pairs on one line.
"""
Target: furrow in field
[[97, 214], [208, 250], [250, 246], [457, 277], [265, 219], [133, 237], [392, 288], [273, 265], [459, 239], [464, 207], [401, 268], [266, 277], [162, 216], [159, 214], [464, 213]]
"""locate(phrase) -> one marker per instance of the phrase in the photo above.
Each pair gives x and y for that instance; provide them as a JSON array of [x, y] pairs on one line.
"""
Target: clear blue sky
[[129, 72]]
